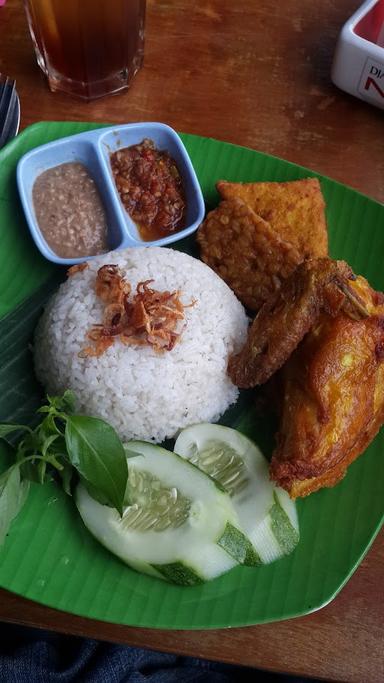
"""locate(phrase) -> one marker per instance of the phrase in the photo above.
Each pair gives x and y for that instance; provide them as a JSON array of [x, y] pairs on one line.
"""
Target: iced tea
[[88, 48]]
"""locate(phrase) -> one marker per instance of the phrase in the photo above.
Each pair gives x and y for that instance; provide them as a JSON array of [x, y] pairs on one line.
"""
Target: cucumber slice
[[266, 513], [180, 524]]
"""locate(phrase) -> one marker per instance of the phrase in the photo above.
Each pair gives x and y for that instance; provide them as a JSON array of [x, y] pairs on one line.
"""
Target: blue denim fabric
[[37, 656]]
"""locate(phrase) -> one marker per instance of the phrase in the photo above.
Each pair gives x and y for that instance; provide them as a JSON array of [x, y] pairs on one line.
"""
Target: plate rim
[[245, 622]]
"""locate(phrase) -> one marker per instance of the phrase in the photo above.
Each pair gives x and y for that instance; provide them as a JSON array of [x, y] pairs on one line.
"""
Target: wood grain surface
[[256, 73]]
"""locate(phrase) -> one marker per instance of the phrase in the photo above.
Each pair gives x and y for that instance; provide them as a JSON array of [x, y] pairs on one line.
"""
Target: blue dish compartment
[[93, 149], [165, 139], [65, 151]]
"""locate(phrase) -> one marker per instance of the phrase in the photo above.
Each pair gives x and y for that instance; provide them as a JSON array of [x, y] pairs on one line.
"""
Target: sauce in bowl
[[70, 212], [150, 188]]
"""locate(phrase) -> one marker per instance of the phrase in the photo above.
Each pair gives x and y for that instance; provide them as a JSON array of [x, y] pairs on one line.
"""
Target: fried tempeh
[[244, 250], [295, 210]]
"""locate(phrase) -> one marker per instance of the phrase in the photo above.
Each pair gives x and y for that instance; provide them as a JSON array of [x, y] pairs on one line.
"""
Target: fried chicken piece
[[244, 250], [333, 398], [294, 210], [316, 285]]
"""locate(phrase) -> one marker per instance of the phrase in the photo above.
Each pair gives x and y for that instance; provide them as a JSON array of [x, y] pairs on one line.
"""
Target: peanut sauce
[[69, 211], [150, 188]]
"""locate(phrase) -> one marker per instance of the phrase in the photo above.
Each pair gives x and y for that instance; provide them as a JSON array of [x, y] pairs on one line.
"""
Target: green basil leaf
[[44, 409], [6, 429], [65, 403], [95, 493], [48, 443], [30, 471], [30, 443], [97, 453], [131, 454], [41, 467], [13, 493], [59, 447], [47, 429], [66, 475], [69, 401]]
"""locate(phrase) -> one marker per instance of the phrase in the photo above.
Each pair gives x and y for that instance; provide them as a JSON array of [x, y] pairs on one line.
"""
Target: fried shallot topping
[[148, 317], [77, 268], [110, 286]]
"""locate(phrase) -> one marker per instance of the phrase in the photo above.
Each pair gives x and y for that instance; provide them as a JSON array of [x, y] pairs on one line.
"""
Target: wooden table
[[256, 73]]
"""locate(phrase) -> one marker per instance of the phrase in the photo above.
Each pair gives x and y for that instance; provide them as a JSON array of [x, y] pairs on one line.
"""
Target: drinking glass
[[87, 48]]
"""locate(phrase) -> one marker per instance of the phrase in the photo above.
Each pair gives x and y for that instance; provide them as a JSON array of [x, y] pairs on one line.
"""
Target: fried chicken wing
[[244, 250], [333, 398], [295, 210], [316, 285]]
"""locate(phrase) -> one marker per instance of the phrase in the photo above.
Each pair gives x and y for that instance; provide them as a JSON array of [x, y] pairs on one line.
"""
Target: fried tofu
[[246, 252], [295, 210]]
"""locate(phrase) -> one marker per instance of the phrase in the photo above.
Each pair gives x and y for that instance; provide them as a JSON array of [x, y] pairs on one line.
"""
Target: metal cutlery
[[9, 110]]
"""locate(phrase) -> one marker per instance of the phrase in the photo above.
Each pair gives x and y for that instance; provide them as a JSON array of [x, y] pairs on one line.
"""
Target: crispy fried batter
[[333, 390], [294, 210], [316, 285], [244, 250]]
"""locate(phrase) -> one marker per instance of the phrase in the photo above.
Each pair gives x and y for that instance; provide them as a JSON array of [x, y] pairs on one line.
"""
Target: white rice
[[144, 394]]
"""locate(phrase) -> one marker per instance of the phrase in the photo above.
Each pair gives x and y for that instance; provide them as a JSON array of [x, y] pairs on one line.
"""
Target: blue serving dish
[[93, 149]]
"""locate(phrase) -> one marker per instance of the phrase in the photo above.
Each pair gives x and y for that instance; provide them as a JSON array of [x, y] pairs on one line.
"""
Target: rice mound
[[144, 394]]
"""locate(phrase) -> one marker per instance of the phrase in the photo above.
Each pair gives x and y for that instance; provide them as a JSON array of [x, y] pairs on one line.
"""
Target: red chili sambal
[[151, 189]]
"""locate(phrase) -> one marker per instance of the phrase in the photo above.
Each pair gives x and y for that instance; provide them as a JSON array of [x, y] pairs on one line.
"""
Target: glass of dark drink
[[87, 48]]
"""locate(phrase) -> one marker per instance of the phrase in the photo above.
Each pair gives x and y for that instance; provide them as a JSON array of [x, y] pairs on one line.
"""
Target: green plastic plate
[[50, 557]]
